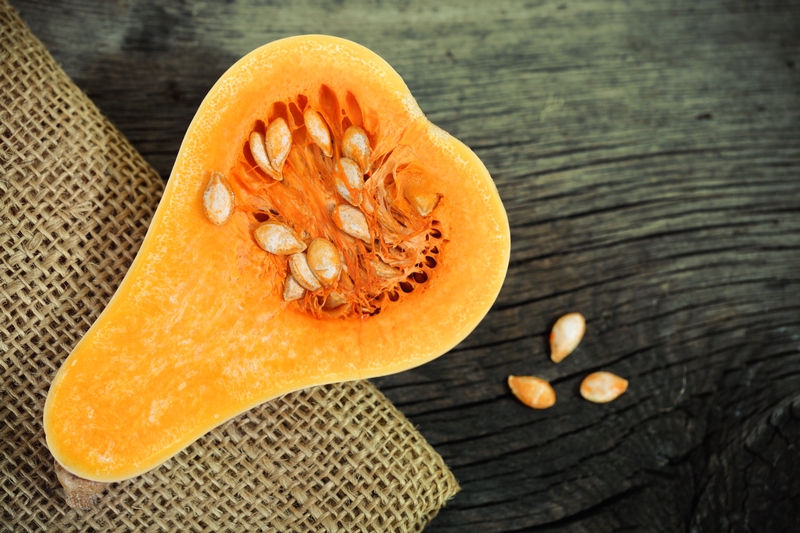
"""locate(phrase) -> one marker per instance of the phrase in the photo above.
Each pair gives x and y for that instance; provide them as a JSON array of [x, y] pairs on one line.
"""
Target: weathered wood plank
[[648, 154]]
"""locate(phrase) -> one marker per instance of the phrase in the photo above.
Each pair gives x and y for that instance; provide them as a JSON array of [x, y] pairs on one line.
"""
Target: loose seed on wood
[[334, 300], [318, 131], [532, 391], [566, 335], [298, 264], [259, 151], [278, 142], [351, 221], [279, 239], [324, 261], [355, 145], [292, 290], [603, 387], [348, 178], [383, 270], [218, 199]]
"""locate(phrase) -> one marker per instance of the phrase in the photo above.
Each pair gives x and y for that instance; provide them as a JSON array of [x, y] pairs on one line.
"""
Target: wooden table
[[648, 154]]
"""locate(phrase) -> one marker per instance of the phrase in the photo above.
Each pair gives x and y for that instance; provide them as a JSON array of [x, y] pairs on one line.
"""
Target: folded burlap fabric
[[75, 203]]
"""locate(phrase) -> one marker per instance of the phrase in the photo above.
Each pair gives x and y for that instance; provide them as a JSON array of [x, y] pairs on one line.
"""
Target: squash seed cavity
[[344, 216]]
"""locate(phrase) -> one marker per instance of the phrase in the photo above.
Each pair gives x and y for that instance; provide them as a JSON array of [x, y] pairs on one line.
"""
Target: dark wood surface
[[648, 154]]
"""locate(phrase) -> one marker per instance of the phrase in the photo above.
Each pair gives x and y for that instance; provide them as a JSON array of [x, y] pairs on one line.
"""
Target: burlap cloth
[[76, 202]]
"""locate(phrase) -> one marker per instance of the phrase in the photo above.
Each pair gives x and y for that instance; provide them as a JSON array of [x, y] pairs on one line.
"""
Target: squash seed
[[278, 142], [324, 261], [292, 290], [603, 387], [366, 204], [334, 300], [259, 151], [532, 391], [318, 131], [355, 145], [383, 270], [423, 202], [566, 335], [351, 221], [279, 239], [348, 178], [298, 264], [218, 199]]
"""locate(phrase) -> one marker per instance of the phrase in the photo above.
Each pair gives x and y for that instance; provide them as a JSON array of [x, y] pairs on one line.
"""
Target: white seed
[[423, 202], [218, 199], [277, 238], [532, 391], [603, 387], [278, 142], [355, 145], [348, 177], [351, 221], [298, 264], [383, 270], [566, 335], [334, 300], [324, 261], [292, 290], [318, 131], [259, 151]]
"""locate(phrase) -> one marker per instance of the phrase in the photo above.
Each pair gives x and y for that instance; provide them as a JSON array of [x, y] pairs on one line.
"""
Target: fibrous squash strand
[[349, 181]]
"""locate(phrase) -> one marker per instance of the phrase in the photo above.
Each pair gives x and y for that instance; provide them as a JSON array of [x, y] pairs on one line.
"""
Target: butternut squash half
[[316, 228]]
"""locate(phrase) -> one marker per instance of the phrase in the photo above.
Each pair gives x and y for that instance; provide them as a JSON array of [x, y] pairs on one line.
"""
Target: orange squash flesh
[[198, 331]]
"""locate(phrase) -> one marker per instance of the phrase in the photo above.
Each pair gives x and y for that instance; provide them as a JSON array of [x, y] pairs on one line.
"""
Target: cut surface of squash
[[405, 246]]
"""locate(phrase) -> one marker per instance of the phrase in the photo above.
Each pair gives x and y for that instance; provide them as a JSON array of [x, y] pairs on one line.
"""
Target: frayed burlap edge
[[76, 200]]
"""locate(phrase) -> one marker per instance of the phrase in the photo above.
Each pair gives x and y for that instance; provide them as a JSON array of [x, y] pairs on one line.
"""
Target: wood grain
[[648, 154]]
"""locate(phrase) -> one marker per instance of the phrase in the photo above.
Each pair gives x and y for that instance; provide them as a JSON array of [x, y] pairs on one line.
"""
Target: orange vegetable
[[200, 330]]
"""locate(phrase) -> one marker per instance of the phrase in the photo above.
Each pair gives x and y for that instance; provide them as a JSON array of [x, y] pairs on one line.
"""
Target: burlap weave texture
[[75, 203]]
